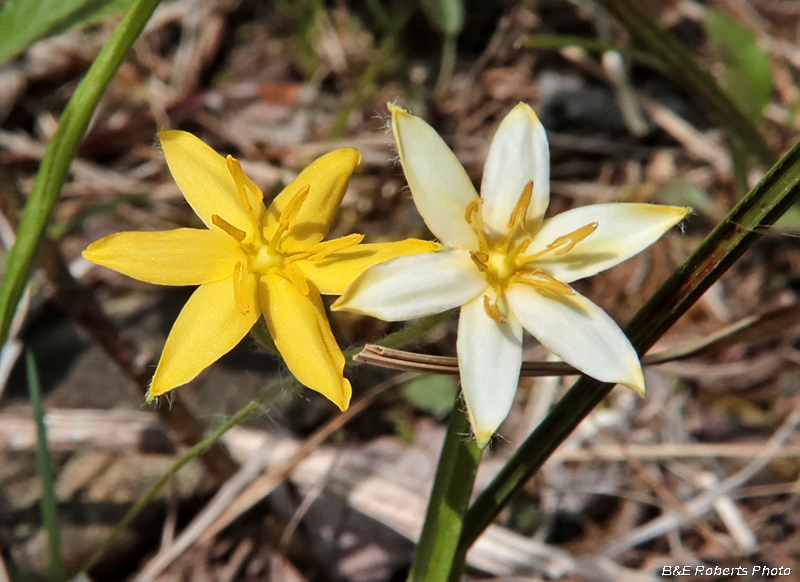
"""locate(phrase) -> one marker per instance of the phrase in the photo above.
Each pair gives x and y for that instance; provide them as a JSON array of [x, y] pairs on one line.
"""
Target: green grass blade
[[59, 156], [765, 203], [24, 22], [44, 466], [684, 70]]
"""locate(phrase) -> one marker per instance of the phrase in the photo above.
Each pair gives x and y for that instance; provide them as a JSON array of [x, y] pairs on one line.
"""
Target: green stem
[[452, 488], [745, 224], [447, 64], [44, 466], [684, 70], [59, 156]]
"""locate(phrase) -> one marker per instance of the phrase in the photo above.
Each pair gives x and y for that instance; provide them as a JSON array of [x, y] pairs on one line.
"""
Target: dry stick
[[672, 501], [705, 501], [81, 306], [134, 431], [246, 489], [750, 328]]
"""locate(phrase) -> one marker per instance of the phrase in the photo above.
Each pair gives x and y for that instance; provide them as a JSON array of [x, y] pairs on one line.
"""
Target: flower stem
[[452, 488]]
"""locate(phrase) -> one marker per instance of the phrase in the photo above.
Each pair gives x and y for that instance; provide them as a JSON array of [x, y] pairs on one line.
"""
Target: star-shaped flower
[[505, 265], [251, 261]]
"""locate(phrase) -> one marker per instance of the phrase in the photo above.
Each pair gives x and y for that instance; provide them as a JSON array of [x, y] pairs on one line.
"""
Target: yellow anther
[[472, 208], [296, 278], [237, 234], [290, 211], [521, 209], [324, 249], [243, 183], [541, 280], [564, 244], [240, 288], [481, 260], [492, 310], [568, 241]]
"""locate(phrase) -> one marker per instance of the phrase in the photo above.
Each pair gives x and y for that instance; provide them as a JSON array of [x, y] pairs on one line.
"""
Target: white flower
[[505, 265]]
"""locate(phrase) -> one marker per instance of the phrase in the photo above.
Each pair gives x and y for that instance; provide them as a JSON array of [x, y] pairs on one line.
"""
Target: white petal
[[623, 230], [438, 181], [490, 357], [414, 286], [578, 332], [519, 153]]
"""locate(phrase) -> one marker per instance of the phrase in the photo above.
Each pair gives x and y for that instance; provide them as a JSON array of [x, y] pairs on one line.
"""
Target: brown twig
[[747, 329]]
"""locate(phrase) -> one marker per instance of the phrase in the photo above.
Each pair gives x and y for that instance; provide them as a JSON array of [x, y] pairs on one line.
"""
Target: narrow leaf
[[746, 74], [59, 156], [447, 16], [44, 466], [23, 22]]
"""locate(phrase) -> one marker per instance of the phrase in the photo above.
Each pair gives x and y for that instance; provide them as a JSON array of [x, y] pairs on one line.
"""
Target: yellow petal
[[208, 327], [205, 180], [185, 256], [303, 336], [333, 274], [328, 178]]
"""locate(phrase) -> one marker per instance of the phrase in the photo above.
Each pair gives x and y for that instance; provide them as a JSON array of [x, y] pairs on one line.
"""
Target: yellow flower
[[506, 266], [251, 261]]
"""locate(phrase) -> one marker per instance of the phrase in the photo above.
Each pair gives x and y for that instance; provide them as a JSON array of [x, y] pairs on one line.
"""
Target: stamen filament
[[567, 242], [545, 282], [481, 260], [276, 239], [520, 211], [290, 211], [324, 249], [518, 215], [242, 182], [472, 208], [296, 278], [238, 234], [474, 211], [564, 244], [492, 310], [240, 288]]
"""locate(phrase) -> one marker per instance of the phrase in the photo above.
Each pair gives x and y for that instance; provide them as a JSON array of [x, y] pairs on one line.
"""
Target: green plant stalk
[[44, 466], [765, 203], [452, 488], [683, 69], [402, 337], [447, 63], [59, 156]]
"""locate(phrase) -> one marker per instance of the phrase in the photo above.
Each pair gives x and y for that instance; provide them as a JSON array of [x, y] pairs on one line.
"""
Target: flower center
[[504, 261], [264, 253]]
